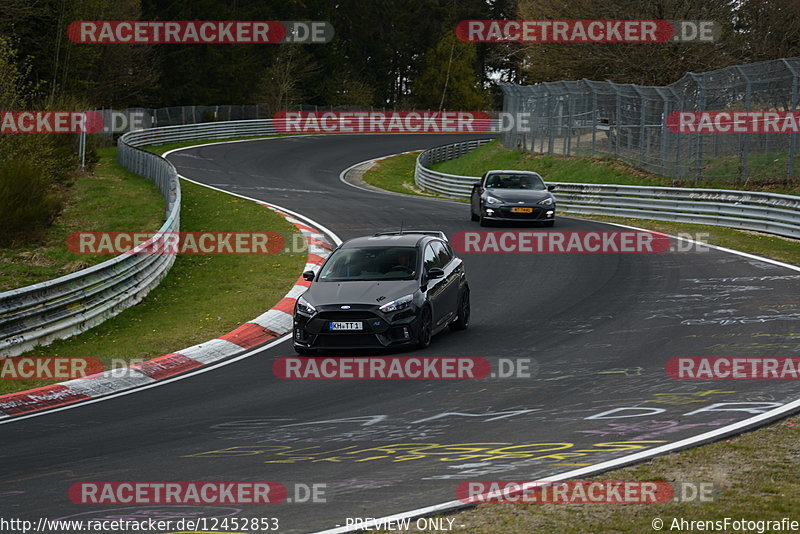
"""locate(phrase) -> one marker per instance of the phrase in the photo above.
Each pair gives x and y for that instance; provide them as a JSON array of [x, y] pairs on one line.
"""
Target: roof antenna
[[401, 226]]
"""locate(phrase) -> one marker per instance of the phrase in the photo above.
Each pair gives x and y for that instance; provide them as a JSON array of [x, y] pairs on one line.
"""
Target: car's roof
[[401, 240], [511, 171]]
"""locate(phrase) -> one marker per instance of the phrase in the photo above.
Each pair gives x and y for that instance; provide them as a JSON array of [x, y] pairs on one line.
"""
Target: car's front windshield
[[515, 181], [371, 263]]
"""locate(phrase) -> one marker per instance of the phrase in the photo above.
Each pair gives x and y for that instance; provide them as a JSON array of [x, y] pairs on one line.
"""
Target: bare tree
[[641, 63], [281, 85]]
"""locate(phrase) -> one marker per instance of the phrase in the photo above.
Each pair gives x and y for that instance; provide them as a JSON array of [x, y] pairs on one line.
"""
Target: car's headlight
[[306, 307], [546, 202], [493, 200], [397, 304]]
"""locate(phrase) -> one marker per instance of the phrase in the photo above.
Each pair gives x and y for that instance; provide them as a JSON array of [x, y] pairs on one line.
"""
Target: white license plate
[[349, 325]]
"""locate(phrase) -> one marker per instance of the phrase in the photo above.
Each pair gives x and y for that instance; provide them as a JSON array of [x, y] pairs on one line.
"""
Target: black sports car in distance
[[512, 196], [386, 290]]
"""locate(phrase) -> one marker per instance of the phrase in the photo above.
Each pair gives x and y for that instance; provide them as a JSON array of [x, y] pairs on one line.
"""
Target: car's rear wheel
[[425, 333], [462, 320]]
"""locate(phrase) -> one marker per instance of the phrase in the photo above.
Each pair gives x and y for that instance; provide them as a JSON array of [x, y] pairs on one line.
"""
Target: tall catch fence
[[629, 122]]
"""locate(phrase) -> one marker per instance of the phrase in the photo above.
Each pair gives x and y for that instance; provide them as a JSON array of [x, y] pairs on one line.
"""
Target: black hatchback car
[[512, 196], [387, 290]]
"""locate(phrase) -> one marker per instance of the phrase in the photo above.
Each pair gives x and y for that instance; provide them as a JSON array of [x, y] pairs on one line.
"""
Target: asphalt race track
[[598, 330]]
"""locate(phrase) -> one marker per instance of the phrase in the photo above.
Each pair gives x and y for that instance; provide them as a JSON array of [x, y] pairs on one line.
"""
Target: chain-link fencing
[[629, 122]]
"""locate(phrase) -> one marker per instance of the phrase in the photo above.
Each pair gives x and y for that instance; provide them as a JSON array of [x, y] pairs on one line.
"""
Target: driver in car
[[403, 261]]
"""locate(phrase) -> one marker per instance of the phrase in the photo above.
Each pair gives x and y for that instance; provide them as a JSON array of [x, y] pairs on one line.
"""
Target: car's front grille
[[332, 341], [344, 315]]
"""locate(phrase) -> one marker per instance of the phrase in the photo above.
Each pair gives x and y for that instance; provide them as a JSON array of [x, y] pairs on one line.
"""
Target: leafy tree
[[28, 163], [449, 79]]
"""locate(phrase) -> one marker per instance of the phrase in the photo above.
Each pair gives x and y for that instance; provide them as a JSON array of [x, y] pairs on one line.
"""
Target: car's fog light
[[489, 212], [550, 213]]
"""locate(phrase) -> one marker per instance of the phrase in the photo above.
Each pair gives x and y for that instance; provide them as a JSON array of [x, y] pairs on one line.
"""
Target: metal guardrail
[[446, 185], [60, 308], [746, 210], [204, 130]]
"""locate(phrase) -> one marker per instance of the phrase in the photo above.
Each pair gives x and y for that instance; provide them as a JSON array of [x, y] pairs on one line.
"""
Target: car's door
[[452, 277], [475, 197], [436, 286]]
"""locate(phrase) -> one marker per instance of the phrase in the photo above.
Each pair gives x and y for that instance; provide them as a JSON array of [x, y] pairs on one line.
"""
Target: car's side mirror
[[309, 276], [435, 272], [551, 187]]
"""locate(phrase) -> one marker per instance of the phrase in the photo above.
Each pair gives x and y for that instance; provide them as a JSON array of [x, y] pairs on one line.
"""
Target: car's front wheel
[[425, 334], [462, 319]]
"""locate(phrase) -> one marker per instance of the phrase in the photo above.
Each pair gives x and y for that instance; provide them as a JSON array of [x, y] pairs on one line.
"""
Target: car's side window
[[443, 256], [429, 260], [450, 252]]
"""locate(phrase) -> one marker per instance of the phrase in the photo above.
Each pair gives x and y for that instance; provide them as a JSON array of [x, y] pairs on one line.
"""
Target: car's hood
[[518, 195], [325, 293]]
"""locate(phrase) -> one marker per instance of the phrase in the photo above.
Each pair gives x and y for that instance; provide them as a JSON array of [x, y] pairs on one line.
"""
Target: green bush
[[28, 200]]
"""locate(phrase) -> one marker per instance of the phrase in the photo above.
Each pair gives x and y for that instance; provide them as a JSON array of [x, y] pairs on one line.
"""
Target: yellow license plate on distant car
[[521, 210]]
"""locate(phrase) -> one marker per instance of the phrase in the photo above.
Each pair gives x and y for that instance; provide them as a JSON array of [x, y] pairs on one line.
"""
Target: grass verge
[[110, 199], [552, 168], [594, 170], [396, 174], [201, 298]]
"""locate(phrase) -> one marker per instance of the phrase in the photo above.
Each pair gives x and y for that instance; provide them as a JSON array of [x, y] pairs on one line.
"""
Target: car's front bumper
[[379, 330], [505, 213]]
